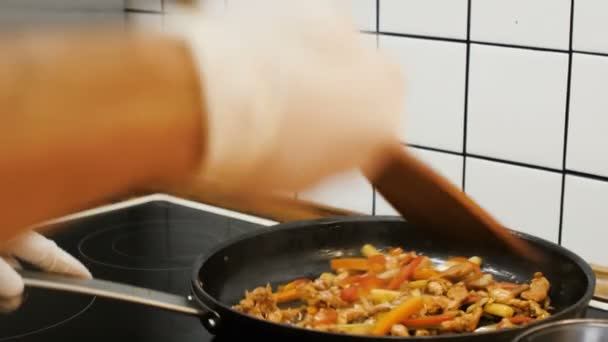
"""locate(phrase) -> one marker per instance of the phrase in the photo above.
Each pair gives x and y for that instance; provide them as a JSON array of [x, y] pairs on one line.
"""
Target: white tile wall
[[521, 198], [422, 17], [541, 23], [364, 13], [585, 218], [517, 104], [144, 5], [145, 21], [590, 25], [39, 19], [349, 190], [434, 99], [516, 107], [588, 122]]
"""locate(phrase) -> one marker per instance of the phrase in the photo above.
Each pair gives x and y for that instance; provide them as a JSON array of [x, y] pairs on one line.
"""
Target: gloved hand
[[39, 251], [290, 91]]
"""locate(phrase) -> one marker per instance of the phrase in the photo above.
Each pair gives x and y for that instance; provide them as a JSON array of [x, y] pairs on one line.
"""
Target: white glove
[[291, 92], [39, 251]]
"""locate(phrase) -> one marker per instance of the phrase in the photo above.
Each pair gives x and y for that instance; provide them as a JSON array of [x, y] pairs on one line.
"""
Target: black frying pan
[[284, 252]]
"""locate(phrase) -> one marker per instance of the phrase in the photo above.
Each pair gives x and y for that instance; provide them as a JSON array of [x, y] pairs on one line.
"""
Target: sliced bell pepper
[[424, 273], [354, 264], [407, 259], [366, 280], [294, 284], [350, 294], [287, 296], [377, 263], [409, 307], [360, 285], [325, 316], [426, 322], [405, 273]]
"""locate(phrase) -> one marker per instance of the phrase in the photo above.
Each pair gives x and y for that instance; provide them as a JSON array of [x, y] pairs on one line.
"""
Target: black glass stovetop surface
[[152, 245]]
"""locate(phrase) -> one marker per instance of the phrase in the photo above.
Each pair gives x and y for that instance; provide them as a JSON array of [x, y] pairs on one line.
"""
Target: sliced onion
[[388, 274]]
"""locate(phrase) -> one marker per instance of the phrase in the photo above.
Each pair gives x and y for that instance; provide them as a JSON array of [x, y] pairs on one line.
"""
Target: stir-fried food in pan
[[399, 293]]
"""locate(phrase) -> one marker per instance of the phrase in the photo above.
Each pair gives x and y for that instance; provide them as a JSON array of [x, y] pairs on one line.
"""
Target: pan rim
[[210, 302]]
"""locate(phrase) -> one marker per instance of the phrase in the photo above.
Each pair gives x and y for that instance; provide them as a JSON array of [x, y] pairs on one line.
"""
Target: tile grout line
[[487, 158], [142, 11], [466, 97], [586, 175], [566, 171], [374, 194], [566, 121], [486, 43], [590, 53], [377, 16], [373, 200]]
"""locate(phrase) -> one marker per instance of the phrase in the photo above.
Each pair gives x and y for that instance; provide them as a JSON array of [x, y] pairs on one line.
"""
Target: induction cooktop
[[150, 242]]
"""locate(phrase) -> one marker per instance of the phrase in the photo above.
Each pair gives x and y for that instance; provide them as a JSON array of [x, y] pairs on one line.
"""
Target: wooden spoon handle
[[426, 198]]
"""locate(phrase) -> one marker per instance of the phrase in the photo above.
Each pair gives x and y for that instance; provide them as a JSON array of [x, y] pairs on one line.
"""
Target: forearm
[[87, 116]]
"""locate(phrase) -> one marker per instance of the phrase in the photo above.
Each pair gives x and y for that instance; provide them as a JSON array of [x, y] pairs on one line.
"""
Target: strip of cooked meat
[[539, 288], [464, 323], [422, 332], [458, 272], [505, 323], [349, 315], [519, 289], [537, 311], [435, 288], [480, 283], [259, 303], [457, 293], [435, 304], [399, 330], [500, 295]]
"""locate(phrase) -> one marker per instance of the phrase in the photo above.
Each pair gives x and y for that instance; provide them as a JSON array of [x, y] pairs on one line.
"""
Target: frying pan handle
[[119, 291]]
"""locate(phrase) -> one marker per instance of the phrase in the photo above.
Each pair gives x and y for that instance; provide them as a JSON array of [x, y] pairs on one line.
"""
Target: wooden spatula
[[426, 198]]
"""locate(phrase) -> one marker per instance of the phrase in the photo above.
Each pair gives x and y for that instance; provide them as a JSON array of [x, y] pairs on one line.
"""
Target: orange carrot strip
[[377, 263], [294, 284], [405, 273], [424, 273], [403, 311], [325, 316], [287, 296], [350, 294], [355, 264]]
